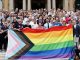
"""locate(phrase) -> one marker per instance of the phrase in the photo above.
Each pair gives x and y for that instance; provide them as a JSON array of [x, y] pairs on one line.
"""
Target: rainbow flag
[[56, 42]]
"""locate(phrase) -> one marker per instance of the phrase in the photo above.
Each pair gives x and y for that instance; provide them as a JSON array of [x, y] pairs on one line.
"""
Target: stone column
[[66, 5], [29, 5], [71, 5], [24, 4], [48, 4], [11, 4], [53, 4], [0, 4], [5, 4]]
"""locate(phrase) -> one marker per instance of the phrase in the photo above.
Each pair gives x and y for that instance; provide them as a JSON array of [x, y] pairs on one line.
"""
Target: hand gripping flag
[[56, 42]]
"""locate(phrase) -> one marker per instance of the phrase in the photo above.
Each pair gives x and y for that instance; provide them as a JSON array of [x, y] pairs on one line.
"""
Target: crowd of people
[[38, 19]]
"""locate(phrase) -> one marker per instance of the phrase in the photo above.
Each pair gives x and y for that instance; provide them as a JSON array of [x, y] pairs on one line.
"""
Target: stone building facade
[[36, 4]]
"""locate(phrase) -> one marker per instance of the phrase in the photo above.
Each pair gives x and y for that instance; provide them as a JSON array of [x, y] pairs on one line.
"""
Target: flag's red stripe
[[58, 28]]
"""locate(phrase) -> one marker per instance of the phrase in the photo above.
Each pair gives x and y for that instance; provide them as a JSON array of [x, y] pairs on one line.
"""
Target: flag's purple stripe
[[63, 53]]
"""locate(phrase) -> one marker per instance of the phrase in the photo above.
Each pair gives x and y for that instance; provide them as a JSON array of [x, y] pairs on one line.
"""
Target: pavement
[[2, 55]]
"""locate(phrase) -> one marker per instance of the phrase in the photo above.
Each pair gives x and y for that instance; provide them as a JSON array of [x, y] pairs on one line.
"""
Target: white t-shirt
[[31, 23], [34, 26], [25, 21], [46, 25]]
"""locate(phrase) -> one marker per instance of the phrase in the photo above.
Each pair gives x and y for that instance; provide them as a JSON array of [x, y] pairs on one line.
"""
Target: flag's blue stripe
[[55, 52]]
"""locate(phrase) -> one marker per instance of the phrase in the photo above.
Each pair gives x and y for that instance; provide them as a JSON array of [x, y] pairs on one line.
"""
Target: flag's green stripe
[[52, 46]]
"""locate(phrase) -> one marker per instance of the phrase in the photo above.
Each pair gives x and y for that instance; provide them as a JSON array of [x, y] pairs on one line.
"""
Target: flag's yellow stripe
[[50, 40]]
